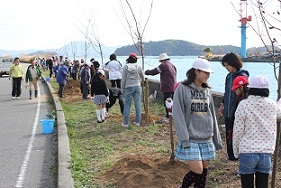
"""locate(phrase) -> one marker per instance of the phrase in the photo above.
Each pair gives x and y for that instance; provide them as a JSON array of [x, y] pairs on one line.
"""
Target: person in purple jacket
[[168, 75]]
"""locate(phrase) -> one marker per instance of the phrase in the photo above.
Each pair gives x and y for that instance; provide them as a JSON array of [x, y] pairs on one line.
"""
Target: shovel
[[172, 157]]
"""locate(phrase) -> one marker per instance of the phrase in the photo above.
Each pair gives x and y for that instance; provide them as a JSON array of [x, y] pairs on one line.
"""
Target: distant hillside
[[152, 48], [176, 48]]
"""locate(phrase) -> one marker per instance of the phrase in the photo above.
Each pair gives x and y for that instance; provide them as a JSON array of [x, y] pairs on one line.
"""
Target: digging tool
[[172, 157], [169, 104]]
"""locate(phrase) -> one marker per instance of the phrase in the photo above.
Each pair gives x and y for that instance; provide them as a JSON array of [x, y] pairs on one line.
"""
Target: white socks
[[98, 112], [103, 113]]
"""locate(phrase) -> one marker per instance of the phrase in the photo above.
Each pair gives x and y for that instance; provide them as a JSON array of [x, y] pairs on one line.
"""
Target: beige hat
[[163, 57]]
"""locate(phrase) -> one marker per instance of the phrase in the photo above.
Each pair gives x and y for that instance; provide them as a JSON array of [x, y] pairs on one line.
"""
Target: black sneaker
[[99, 121]]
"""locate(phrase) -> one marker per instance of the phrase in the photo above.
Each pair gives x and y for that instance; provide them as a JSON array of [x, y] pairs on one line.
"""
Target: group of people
[[31, 76], [250, 121], [125, 84], [250, 116]]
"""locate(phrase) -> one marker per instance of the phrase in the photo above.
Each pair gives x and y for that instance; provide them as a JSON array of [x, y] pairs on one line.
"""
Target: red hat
[[239, 81], [133, 55]]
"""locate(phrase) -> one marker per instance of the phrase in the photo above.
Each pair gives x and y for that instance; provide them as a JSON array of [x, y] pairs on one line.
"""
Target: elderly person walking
[[32, 76]]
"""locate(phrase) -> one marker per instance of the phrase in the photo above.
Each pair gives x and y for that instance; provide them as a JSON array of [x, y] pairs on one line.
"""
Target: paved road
[[27, 157]]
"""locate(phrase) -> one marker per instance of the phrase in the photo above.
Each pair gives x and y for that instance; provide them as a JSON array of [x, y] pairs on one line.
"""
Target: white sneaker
[[18, 98], [13, 97], [165, 120], [136, 124], [125, 126]]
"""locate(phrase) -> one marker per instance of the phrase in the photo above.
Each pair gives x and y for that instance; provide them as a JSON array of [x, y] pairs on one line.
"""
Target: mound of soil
[[144, 171]]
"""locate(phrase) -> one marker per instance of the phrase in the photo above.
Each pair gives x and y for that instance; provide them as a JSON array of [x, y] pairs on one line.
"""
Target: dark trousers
[[112, 101], [85, 90], [115, 83], [74, 76], [61, 86], [228, 132], [167, 95], [16, 91], [248, 180], [51, 72]]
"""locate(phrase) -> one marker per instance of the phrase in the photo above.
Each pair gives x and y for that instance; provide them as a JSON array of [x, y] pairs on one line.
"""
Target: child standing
[[233, 64], [195, 123], [99, 93], [239, 86], [254, 133]]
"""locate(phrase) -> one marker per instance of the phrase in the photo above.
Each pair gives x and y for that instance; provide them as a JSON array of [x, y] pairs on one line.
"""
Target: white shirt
[[255, 125], [114, 69]]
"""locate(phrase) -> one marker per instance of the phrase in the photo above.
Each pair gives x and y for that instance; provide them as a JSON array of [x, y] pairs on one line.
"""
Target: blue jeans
[[249, 163], [130, 94]]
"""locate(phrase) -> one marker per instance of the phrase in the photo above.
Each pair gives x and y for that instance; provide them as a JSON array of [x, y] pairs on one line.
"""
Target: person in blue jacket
[[233, 64], [62, 77]]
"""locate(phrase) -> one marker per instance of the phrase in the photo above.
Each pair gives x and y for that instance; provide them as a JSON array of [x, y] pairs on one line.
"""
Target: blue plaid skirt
[[196, 151]]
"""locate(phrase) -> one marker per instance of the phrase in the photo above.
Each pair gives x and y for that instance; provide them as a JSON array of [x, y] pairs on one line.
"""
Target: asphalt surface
[[28, 158]]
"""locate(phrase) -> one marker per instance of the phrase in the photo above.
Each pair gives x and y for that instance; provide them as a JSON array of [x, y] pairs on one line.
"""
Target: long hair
[[190, 77], [96, 77]]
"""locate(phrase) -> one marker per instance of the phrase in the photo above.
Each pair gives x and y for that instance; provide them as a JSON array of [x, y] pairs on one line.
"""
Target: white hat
[[202, 64], [88, 64], [259, 82], [163, 57], [101, 72]]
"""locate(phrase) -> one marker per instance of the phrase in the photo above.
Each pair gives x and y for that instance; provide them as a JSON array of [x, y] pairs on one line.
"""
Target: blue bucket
[[48, 124]]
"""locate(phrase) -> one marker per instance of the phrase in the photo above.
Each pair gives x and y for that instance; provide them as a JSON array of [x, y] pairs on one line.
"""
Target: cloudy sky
[[42, 24]]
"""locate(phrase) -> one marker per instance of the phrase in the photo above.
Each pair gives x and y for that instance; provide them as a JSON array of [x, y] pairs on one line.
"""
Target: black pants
[[16, 91], [229, 146], [167, 95], [61, 86], [260, 179], [51, 72], [85, 90], [74, 76], [115, 83], [112, 101]]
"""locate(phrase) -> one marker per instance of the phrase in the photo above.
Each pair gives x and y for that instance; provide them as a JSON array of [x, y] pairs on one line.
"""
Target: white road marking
[[23, 168]]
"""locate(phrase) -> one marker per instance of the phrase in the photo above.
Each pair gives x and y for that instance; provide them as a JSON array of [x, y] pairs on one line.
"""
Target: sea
[[217, 78]]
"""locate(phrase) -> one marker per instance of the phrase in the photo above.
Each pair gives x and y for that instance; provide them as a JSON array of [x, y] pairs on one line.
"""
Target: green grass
[[93, 145], [96, 148]]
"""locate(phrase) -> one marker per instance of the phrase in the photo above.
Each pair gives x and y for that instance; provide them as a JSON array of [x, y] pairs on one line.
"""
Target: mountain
[[176, 48], [151, 48], [76, 48]]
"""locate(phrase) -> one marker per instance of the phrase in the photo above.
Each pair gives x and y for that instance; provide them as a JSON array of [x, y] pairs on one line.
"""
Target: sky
[[33, 24]]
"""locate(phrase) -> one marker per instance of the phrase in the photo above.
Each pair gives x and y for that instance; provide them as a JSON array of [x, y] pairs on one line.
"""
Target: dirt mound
[[72, 91], [144, 171]]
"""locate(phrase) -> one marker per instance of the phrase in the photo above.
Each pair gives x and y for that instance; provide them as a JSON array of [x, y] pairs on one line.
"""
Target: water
[[217, 78]]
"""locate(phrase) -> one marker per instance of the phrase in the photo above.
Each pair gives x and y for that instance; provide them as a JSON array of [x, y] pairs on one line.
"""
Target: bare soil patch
[[157, 171]]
